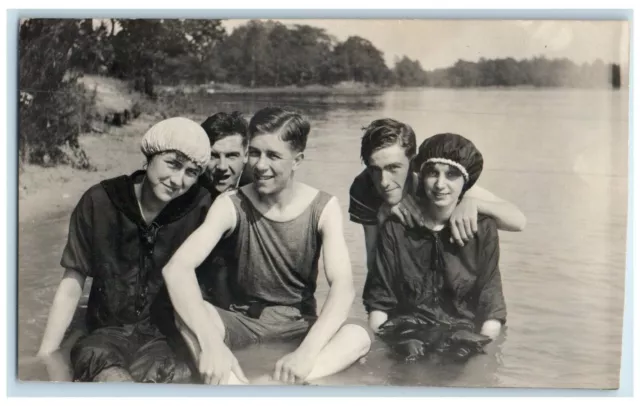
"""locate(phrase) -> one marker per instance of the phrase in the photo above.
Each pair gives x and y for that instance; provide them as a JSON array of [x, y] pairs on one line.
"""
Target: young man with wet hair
[[387, 186], [278, 228], [229, 139]]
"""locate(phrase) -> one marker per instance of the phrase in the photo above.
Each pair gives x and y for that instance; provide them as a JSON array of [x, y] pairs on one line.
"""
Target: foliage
[[537, 72], [54, 108]]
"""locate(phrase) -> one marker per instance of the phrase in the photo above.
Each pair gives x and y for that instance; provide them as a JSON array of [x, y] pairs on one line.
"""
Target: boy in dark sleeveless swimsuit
[[275, 228]]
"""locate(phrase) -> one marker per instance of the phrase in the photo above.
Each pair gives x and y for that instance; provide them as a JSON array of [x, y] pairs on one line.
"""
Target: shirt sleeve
[[378, 289], [77, 252], [491, 304], [363, 200]]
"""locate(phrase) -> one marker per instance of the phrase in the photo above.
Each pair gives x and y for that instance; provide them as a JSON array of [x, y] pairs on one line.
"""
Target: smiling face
[[272, 162], [170, 175], [228, 157], [389, 168], [443, 184]]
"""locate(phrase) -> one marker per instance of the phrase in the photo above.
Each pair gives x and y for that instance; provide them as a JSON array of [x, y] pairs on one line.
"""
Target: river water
[[559, 155]]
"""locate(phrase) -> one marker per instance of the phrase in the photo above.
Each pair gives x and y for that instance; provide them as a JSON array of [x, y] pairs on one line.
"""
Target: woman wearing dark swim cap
[[421, 272]]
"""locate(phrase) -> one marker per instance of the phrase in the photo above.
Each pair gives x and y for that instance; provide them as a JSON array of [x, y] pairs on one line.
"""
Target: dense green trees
[[265, 54], [537, 72], [54, 109]]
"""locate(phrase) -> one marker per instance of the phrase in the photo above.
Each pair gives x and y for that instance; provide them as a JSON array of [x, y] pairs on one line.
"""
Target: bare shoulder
[[305, 191], [222, 210], [224, 198], [331, 215], [308, 194], [304, 197]]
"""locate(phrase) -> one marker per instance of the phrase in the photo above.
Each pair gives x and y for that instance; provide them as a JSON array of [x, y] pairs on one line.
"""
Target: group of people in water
[[215, 246]]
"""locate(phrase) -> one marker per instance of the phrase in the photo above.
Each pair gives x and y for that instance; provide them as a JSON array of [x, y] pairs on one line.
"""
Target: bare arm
[[180, 276], [338, 272], [77, 261], [507, 216], [464, 219], [62, 310]]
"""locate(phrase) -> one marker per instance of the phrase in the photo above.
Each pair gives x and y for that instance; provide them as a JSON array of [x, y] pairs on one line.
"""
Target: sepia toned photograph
[[339, 202]]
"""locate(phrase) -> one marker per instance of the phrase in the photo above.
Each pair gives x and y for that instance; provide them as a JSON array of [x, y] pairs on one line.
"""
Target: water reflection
[[479, 371], [377, 368], [317, 105]]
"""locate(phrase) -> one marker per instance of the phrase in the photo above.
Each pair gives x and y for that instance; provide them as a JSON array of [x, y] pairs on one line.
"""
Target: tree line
[[536, 72], [53, 53], [271, 54]]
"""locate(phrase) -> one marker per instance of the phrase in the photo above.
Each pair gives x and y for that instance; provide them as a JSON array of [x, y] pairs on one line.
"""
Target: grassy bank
[[45, 191], [112, 150]]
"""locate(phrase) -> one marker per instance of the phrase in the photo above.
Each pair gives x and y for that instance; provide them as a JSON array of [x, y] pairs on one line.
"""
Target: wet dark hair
[[221, 125], [293, 128], [385, 133]]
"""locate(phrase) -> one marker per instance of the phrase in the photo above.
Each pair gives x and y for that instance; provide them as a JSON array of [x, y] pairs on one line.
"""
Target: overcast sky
[[439, 43]]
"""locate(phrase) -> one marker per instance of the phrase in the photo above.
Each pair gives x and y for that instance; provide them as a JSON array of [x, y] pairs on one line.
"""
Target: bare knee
[[358, 336]]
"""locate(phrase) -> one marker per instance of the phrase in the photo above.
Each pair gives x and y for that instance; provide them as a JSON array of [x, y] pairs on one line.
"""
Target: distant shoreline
[[224, 88], [348, 89]]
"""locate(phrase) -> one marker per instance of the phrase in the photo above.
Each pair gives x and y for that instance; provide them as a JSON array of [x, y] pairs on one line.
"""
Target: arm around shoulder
[[508, 217], [179, 274], [219, 221]]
